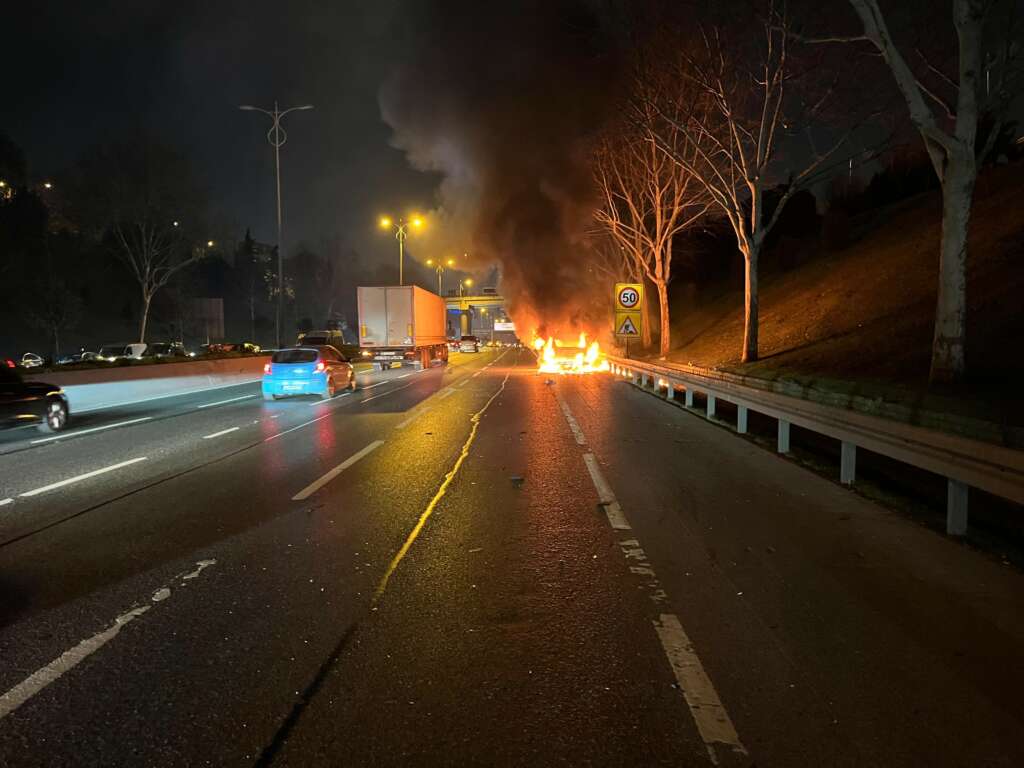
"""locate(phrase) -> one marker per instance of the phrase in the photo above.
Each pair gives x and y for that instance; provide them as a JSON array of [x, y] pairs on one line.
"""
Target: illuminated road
[[477, 565]]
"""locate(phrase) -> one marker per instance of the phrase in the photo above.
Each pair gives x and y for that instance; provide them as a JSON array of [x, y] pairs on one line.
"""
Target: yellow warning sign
[[628, 323]]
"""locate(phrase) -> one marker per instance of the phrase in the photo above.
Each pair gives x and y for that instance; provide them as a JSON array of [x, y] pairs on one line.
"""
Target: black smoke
[[504, 101]]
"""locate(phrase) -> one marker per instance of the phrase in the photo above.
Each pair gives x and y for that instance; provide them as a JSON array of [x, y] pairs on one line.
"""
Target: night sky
[[79, 73]]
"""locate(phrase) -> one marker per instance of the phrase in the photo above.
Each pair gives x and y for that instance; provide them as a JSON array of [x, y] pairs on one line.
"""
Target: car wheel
[[329, 390], [56, 416]]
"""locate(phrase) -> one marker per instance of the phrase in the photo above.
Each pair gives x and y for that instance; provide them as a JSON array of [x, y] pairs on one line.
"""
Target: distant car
[[165, 349], [31, 360], [469, 344], [28, 402], [320, 338], [313, 370], [112, 352], [453, 345], [77, 357]]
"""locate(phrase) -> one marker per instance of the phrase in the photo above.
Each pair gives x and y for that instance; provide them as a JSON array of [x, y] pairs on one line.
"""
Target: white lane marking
[[405, 423], [316, 485], [62, 435], [79, 478], [300, 426], [389, 392], [445, 393], [222, 432], [404, 375], [6, 501], [573, 424], [701, 697], [478, 373], [72, 657], [164, 397], [328, 402], [201, 564], [371, 386], [606, 498], [462, 383], [225, 402]]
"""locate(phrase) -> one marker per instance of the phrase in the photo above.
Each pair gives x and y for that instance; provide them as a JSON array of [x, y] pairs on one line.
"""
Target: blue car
[[312, 370]]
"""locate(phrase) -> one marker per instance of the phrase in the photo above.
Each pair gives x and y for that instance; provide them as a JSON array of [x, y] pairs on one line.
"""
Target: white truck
[[401, 324]]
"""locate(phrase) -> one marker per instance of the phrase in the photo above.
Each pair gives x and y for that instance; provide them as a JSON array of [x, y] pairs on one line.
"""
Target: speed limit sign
[[628, 295]]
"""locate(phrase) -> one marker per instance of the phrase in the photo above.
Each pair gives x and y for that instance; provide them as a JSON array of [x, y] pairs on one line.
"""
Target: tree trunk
[[56, 344], [145, 318], [948, 361], [645, 333], [252, 318], [750, 320], [665, 337]]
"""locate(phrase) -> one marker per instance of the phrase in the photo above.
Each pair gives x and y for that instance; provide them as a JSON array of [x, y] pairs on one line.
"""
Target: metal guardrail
[[963, 461]]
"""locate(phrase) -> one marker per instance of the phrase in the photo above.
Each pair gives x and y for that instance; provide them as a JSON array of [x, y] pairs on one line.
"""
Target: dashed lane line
[[72, 657], [225, 402], [709, 714], [6, 501], [406, 422], [79, 478], [385, 394], [78, 432], [222, 432], [316, 485]]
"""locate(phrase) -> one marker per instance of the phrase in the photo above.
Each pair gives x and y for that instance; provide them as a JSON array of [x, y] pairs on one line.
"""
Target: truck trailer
[[401, 324]]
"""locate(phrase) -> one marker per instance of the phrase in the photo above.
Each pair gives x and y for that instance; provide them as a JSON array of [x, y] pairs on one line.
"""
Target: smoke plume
[[503, 101]]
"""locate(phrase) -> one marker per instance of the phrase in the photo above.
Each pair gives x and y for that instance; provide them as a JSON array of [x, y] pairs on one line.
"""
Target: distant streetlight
[[47, 185], [463, 284], [277, 137], [439, 268], [209, 243], [401, 227]]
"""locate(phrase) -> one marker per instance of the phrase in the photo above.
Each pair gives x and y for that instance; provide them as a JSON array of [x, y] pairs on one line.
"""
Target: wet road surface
[[479, 565]]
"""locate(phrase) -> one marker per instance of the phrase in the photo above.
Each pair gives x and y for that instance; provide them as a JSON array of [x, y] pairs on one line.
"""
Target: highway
[[479, 565]]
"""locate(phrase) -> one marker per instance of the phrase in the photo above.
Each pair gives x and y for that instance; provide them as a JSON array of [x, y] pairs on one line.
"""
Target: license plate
[[291, 385]]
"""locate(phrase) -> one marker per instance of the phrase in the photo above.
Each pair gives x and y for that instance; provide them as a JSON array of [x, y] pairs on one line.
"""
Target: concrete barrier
[[96, 388]]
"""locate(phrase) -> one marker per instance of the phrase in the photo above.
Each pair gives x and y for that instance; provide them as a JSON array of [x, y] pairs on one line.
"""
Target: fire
[[584, 359]]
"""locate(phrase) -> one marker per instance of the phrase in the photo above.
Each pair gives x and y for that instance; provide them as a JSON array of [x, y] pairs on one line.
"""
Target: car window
[[469, 338], [330, 353], [294, 356]]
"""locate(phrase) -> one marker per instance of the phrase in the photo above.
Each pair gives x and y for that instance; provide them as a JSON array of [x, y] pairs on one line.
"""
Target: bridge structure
[[475, 315]]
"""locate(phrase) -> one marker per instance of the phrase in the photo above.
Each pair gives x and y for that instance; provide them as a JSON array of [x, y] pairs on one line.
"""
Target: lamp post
[[463, 284], [439, 268], [277, 137], [401, 232]]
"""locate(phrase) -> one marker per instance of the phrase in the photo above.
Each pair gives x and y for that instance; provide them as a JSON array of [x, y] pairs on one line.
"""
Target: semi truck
[[401, 324]]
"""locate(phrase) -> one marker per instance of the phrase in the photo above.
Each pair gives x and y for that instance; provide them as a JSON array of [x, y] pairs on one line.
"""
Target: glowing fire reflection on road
[[557, 357]]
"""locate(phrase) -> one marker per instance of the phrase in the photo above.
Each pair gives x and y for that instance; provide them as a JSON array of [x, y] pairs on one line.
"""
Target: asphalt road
[[479, 565]]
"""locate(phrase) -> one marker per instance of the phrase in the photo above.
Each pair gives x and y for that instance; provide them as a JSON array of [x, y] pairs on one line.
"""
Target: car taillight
[[266, 368], [321, 367], [10, 363]]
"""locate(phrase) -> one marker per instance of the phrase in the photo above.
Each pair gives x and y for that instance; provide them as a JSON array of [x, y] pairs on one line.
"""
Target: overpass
[[474, 314]]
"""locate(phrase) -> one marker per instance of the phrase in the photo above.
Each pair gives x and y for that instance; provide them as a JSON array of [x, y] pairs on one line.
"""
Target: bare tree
[[734, 106], [647, 199], [946, 111], [60, 310], [145, 197]]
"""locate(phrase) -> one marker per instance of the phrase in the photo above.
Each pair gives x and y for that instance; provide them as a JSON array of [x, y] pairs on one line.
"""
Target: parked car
[[165, 349], [314, 370], [112, 352], [30, 402], [31, 360], [77, 357], [469, 344]]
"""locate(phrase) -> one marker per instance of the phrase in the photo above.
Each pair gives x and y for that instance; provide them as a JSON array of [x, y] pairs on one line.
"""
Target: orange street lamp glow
[[385, 222]]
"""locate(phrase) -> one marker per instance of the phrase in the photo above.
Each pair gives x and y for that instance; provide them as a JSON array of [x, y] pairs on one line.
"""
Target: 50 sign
[[628, 296]]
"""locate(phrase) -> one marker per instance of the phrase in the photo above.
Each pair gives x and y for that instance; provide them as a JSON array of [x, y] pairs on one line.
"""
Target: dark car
[[165, 349], [30, 402], [319, 370]]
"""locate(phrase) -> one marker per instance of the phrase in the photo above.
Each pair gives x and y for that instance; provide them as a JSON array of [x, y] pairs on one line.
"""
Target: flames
[[557, 357]]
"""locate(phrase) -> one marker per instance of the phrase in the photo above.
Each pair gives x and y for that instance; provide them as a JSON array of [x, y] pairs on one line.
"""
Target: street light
[[277, 137], [401, 232], [439, 268], [467, 283]]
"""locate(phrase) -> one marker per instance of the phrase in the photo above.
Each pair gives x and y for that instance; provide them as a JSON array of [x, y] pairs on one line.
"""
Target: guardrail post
[[956, 508], [847, 463], [783, 436], [670, 390], [741, 419], [689, 398], [711, 406], [643, 380]]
